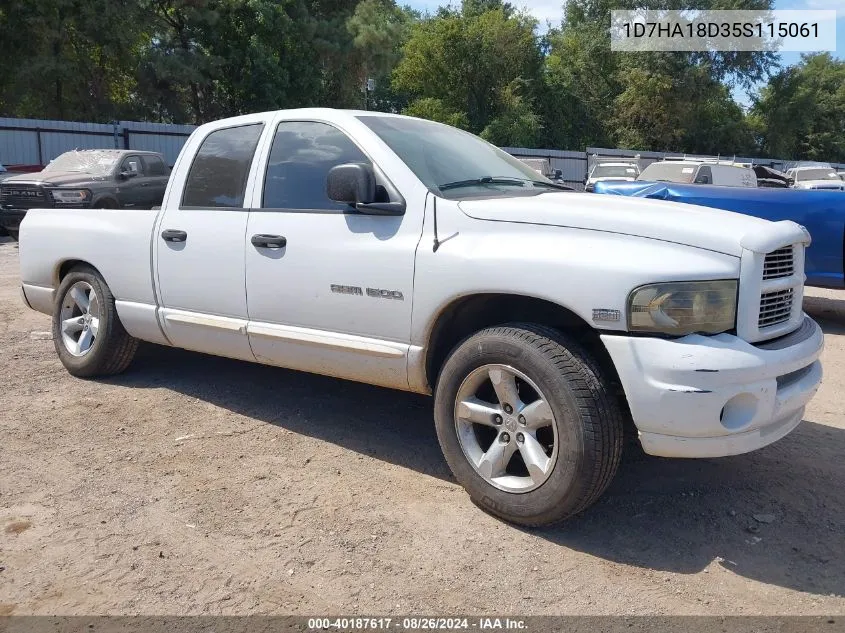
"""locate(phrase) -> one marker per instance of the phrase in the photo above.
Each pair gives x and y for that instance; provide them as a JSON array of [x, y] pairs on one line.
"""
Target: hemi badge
[[603, 314]]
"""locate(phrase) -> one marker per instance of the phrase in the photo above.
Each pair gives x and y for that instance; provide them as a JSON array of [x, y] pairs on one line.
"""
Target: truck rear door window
[[154, 166], [217, 178], [302, 154]]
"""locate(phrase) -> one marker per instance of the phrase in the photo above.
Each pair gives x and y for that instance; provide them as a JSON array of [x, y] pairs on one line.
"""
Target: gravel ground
[[200, 485]]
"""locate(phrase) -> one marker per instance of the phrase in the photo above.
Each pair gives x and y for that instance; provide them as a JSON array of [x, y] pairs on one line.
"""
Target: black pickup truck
[[96, 178]]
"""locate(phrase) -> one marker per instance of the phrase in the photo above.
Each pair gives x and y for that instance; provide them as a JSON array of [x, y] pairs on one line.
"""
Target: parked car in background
[[99, 178], [409, 254], [841, 175], [810, 177], [611, 170], [770, 177], [700, 172]]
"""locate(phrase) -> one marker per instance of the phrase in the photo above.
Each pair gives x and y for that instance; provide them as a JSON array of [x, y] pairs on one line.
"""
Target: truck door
[[199, 244], [329, 288], [130, 184], [155, 176]]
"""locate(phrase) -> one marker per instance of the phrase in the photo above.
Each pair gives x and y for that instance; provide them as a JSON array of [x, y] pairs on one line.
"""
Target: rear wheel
[[13, 233], [528, 423], [89, 337]]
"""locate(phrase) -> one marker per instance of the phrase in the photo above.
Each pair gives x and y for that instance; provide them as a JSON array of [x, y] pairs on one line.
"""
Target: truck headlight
[[684, 307], [71, 196]]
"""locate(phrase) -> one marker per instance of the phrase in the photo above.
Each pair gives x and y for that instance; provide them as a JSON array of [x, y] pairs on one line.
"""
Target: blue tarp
[[821, 212]]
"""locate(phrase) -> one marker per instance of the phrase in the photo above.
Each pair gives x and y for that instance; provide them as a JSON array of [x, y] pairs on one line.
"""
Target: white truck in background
[[700, 172], [412, 255], [816, 177], [611, 168]]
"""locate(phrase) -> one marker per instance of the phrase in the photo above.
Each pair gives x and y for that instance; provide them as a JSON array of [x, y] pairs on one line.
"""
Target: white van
[[690, 171]]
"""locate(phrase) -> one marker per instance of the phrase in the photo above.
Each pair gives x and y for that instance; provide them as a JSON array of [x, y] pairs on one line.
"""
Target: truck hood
[[55, 179], [711, 229]]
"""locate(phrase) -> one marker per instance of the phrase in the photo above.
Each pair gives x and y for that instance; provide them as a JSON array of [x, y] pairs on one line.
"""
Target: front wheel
[[528, 423], [89, 337]]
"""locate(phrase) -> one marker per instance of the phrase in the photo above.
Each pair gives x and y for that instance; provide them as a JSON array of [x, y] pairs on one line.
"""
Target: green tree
[[677, 107], [477, 65], [800, 114], [648, 100], [580, 84], [69, 59], [435, 110], [379, 29]]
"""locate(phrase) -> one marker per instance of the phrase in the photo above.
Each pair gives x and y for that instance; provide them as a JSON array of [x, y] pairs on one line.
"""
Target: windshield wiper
[[552, 185], [486, 180]]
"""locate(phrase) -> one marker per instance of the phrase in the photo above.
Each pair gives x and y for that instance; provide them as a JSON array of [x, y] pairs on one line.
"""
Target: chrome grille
[[779, 263], [775, 308]]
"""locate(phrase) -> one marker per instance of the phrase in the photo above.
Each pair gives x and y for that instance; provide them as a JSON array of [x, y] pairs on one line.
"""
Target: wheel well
[[105, 202], [470, 314], [66, 266]]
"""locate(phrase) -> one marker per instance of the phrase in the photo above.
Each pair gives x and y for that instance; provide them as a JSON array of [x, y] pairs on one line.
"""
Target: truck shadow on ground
[[829, 312], [677, 516]]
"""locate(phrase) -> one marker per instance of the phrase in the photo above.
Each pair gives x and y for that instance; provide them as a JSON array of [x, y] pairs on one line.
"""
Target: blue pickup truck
[[822, 213]]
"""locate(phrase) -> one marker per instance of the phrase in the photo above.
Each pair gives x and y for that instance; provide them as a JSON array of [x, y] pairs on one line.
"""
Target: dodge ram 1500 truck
[[412, 255]]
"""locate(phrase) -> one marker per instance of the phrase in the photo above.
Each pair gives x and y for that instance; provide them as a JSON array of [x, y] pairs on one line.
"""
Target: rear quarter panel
[[114, 241]]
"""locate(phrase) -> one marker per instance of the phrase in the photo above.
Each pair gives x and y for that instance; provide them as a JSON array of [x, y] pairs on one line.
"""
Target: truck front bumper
[[11, 218], [711, 396]]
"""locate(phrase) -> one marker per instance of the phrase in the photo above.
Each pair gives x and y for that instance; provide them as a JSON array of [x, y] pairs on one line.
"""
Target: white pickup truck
[[412, 255]]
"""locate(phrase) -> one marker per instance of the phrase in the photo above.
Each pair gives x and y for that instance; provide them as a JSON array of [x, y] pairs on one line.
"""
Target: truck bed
[[106, 238]]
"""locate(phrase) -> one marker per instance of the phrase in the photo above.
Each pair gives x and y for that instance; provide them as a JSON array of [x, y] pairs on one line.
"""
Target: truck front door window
[[301, 157], [132, 164], [218, 175]]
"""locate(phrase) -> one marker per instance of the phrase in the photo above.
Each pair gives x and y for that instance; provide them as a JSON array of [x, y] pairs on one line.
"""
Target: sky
[[552, 11]]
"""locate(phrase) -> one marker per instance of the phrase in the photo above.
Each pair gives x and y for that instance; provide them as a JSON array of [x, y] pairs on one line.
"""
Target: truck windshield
[[815, 174], [614, 171], [97, 163], [668, 172], [455, 164]]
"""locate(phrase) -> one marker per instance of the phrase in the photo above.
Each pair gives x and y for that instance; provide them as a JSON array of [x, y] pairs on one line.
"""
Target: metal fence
[[36, 142]]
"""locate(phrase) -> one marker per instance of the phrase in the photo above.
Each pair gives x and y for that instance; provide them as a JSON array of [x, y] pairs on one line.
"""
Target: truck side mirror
[[353, 183], [130, 172]]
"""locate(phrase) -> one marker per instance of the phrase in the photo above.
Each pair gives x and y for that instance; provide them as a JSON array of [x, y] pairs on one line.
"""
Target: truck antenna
[[436, 239]]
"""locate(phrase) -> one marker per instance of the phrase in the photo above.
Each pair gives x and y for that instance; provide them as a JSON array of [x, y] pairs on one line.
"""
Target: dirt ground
[[200, 485]]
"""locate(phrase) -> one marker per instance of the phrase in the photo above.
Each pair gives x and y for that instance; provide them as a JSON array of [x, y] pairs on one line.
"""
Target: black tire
[[112, 349], [14, 233], [588, 421], [106, 203]]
